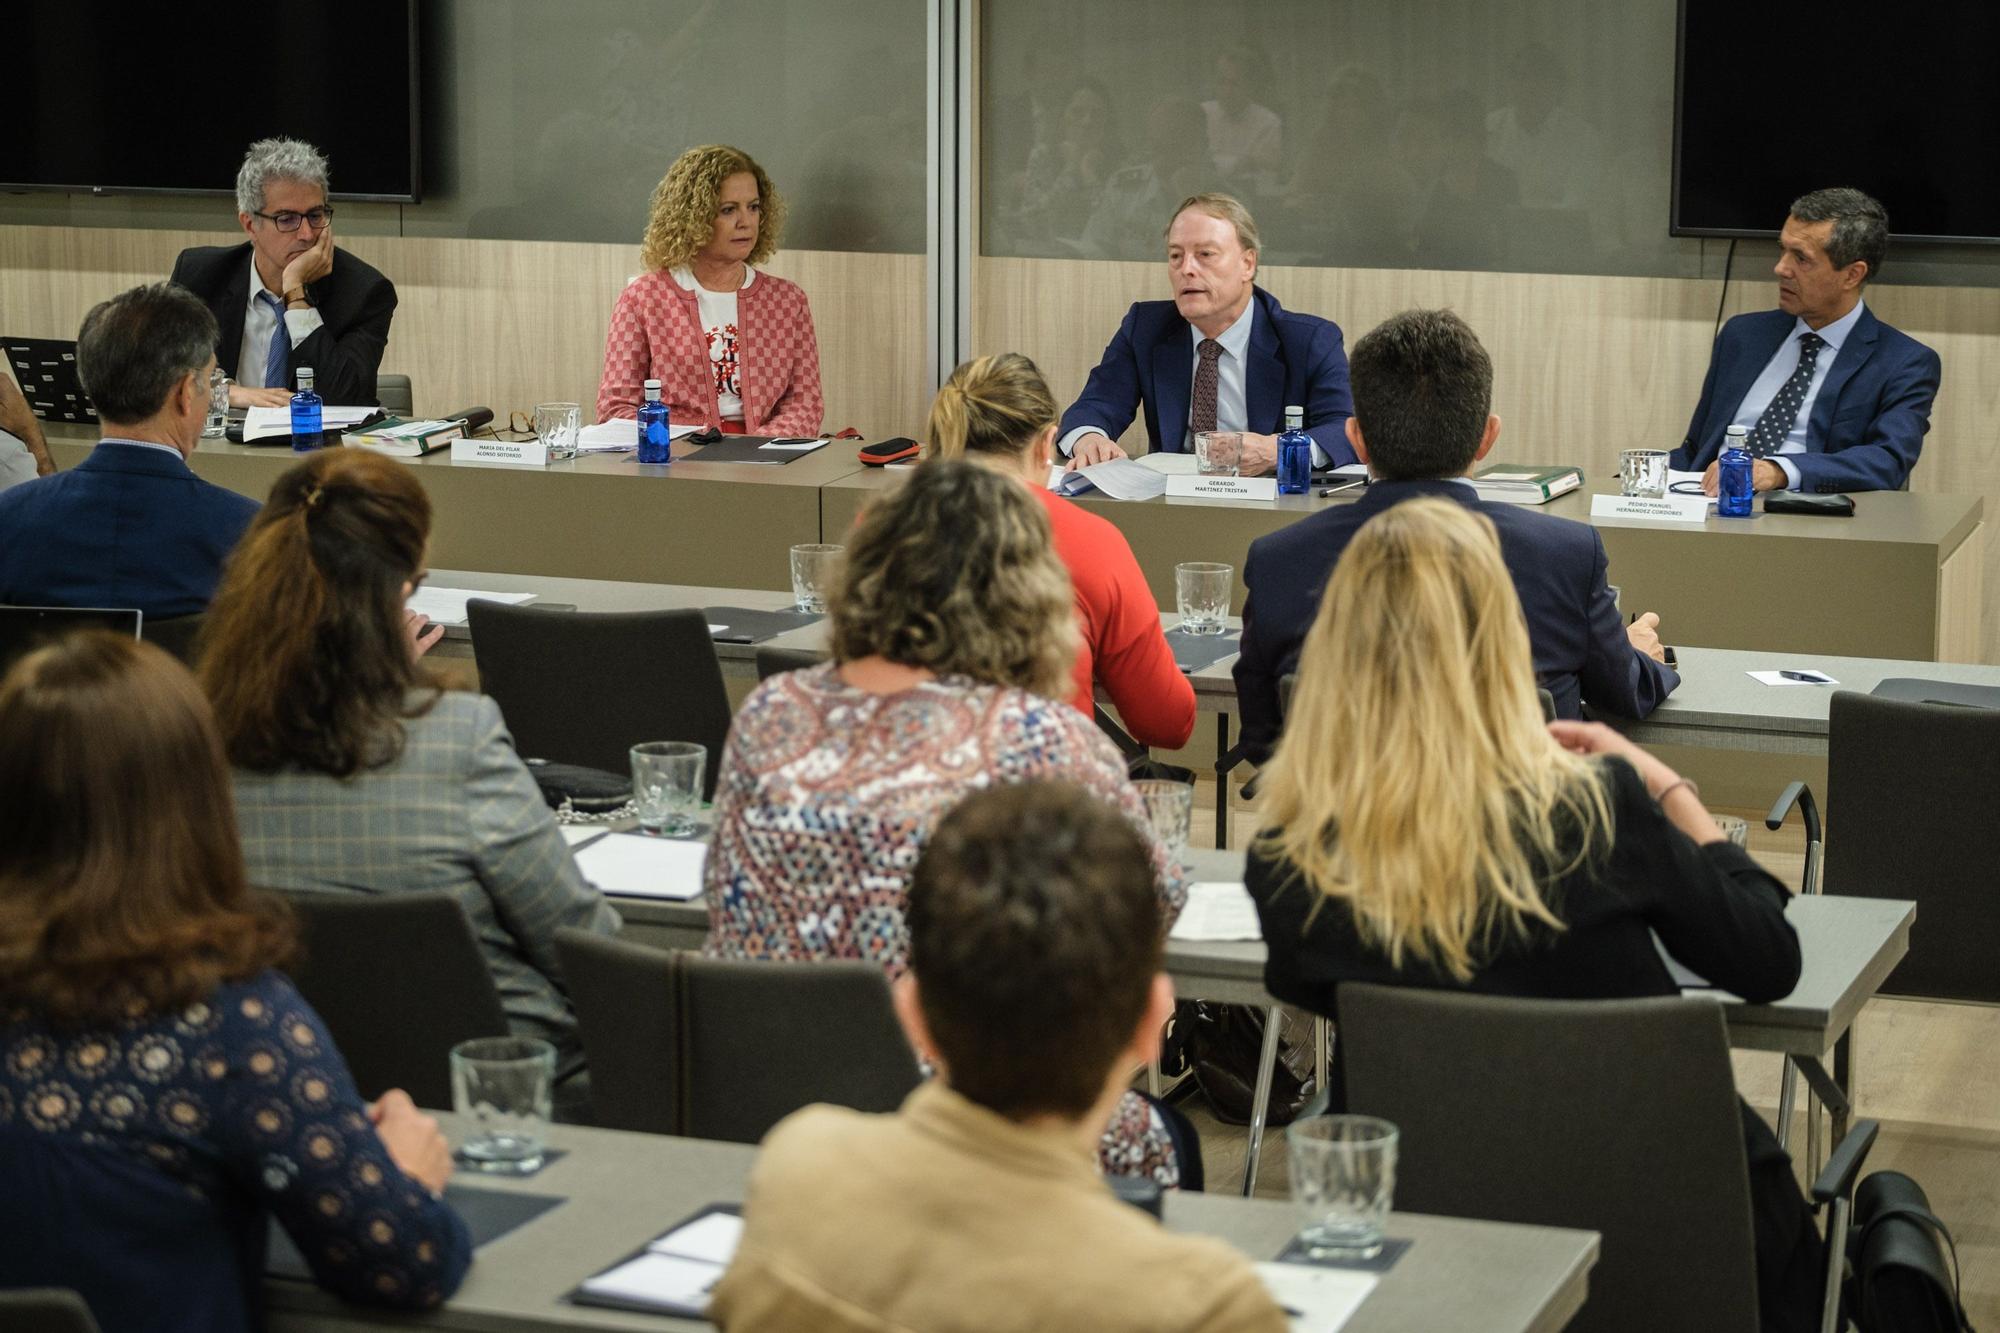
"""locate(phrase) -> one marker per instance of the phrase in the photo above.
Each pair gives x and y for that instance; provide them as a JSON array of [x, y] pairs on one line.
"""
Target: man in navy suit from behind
[[1222, 355], [131, 525], [1423, 389], [1833, 398]]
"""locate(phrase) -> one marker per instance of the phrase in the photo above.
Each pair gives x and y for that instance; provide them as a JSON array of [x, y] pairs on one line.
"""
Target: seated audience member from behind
[[1423, 389], [1221, 355], [1034, 989], [998, 410], [288, 297], [1833, 398], [1420, 825], [164, 1091], [354, 773], [131, 525]]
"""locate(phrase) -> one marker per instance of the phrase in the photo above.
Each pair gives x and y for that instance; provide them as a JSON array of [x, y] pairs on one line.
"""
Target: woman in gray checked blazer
[[354, 774]]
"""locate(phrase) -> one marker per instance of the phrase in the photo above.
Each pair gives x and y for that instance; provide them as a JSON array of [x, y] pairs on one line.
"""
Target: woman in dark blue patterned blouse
[[162, 1089]]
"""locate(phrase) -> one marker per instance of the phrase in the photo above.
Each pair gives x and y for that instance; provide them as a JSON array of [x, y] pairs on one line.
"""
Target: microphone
[[473, 417]]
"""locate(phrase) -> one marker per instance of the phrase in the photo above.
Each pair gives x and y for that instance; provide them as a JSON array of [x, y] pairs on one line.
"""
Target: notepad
[[446, 606], [1319, 1300], [676, 1273], [1217, 912], [637, 866], [621, 434]]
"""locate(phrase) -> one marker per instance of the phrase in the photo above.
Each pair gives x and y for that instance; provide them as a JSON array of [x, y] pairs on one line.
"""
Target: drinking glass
[[218, 405], [1343, 1177], [666, 786], [1201, 592], [1734, 829], [1643, 473], [556, 425], [813, 567], [1169, 813], [1218, 453], [506, 1086]]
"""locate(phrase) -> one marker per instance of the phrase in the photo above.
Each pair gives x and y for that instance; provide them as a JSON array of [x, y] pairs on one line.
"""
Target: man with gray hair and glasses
[[1832, 398], [131, 525], [287, 297]]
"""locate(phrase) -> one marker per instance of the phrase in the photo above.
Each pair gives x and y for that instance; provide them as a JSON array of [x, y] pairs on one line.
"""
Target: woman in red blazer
[[731, 347], [998, 410]]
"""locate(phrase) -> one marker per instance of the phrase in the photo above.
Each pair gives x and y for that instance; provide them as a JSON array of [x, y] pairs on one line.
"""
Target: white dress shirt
[[144, 444], [1779, 369], [260, 322], [1231, 409]]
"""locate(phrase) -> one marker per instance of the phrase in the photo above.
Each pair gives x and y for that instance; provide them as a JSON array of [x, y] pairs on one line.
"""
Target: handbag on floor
[[1224, 1043], [1899, 1281]]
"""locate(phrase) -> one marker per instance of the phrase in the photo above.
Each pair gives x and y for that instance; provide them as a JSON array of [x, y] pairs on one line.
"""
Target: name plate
[[1223, 488], [1667, 509], [514, 453]]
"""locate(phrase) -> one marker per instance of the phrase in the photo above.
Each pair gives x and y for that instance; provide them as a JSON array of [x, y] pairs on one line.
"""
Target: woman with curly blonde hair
[[953, 632], [731, 347]]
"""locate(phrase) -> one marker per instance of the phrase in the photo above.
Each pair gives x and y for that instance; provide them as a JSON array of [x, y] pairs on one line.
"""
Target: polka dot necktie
[[1202, 415], [1768, 435]]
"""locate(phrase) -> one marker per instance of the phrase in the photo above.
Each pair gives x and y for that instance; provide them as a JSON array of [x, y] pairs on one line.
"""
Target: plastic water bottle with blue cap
[[655, 439], [1295, 454], [307, 431], [1734, 471]]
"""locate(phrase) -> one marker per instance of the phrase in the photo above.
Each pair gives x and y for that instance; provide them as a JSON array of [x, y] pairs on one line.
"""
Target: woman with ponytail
[[354, 772], [998, 410]]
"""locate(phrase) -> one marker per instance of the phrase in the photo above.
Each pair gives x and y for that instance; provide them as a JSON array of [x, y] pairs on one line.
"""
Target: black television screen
[[125, 98], [1773, 100]]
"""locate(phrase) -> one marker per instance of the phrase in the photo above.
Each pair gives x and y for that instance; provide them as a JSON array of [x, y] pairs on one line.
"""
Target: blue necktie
[[1775, 424], [281, 345]]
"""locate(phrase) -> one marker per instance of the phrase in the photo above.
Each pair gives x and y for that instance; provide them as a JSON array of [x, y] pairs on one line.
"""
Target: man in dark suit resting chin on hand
[[287, 298]]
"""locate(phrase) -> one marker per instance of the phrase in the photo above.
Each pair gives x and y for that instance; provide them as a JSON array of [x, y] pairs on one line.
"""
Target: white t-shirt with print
[[718, 325]]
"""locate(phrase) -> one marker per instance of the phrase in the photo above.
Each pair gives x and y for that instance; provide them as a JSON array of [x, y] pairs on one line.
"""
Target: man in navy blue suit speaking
[[1833, 398], [1222, 355], [1423, 391]]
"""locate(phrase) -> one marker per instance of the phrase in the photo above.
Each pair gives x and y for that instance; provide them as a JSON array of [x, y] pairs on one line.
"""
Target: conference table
[[620, 1190], [1907, 567]]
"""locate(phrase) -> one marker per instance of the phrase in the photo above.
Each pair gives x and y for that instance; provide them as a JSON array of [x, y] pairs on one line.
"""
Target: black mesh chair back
[[399, 980], [584, 687], [760, 1040], [775, 661], [628, 1014], [1912, 789], [45, 1310], [1615, 1116], [176, 635]]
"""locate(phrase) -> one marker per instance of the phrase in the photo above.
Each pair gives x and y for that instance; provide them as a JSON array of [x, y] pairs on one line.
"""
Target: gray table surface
[[621, 1190]]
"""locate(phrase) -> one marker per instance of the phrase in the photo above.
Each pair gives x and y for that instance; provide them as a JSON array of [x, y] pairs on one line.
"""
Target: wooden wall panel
[[512, 323], [1583, 366]]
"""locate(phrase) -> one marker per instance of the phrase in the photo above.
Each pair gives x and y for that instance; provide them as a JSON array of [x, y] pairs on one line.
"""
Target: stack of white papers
[[678, 1271], [637, 866], [1121, 479], [446, 606], [1319, 1300], [620, 435], [1217, 912], [264, 423], [1171, 465]]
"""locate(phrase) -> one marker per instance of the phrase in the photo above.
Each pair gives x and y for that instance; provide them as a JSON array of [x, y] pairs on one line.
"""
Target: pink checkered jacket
[[656, 334]]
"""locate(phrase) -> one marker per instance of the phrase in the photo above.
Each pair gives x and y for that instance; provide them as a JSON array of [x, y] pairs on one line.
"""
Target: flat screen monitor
[[26, 628], [1774, 100], [124, 98]]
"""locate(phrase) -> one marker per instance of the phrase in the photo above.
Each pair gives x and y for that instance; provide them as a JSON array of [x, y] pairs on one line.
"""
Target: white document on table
[[1217, 912], [663, 1282], [711, 1238], [268, 423], [637, 866], [1171, 465], [1319, 1300], [619, 435], [1825, 682], [1120, 478], [446, 606], [573, 834]]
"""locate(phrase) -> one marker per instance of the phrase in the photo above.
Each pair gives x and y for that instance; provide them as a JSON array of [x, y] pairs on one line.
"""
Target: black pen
[[1806, 677]]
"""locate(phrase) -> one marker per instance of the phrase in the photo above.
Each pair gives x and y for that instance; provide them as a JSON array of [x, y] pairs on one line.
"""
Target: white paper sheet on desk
[[576, 833], [637, 866], [1171, 465], [1825, 682], [619, 435], [1217, 912], [1325, 1298], [710, 1238], [266, 423], [446, 606], [1121, 479], [792, 446], [663, 1280]]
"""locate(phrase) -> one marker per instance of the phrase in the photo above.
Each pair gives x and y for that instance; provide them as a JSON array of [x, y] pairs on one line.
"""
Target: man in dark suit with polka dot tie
[[1833, 398]]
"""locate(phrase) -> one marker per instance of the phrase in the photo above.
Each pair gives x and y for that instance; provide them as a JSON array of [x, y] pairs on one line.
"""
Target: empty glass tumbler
[[1343, 1171], [506, 1087], [1201, 594], [1643, 473], [666, 786], [813, 567], [556, 426]]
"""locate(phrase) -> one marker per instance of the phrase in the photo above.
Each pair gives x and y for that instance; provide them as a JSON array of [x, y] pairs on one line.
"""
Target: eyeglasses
[[289, 221]]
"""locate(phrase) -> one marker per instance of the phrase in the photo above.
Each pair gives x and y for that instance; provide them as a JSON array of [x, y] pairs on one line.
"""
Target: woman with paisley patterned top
[[162, 1088]]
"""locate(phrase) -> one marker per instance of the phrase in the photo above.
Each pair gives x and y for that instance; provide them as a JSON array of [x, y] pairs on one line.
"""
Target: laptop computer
[[46, 369], [26, 628]]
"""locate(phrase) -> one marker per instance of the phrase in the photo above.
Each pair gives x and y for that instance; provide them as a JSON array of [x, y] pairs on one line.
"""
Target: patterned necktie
[[281, 345], [1768, 435], [1202, 417]]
